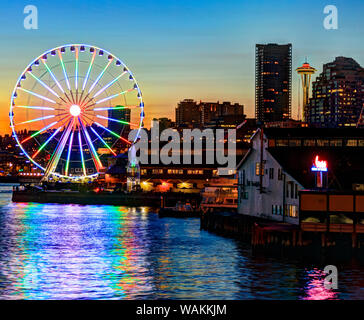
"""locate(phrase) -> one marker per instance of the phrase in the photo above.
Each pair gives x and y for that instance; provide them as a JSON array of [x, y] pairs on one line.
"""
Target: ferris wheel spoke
[[76, 68], [69, 150], [112, 132], [82, 103], [68, 98], [64, 69], [45, 143], [81, 153], [52, 75], [103, 141], [73, 98], [39, 132], [109, 84], [37, 95], [114, 96], [37, 119], [52, 165], [89, 70], [36, 107], [88, 118], [94, 154], [115, 108], [87, 106], [100, 76], [44, 85], [116, 120], [80, 98]]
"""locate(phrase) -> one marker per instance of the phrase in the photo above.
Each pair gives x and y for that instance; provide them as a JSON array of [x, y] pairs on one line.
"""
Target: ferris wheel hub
[[75, 110]]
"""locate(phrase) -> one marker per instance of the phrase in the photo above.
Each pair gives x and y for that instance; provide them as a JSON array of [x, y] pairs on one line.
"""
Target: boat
[[180, 211]]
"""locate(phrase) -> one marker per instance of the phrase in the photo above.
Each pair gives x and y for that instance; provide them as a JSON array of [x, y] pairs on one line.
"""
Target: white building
[[272, 195]]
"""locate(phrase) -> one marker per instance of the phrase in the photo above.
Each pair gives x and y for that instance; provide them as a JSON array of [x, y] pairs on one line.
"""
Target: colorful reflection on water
[[50, 251]]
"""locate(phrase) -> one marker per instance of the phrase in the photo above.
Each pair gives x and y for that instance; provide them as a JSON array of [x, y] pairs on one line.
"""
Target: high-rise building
[[337, 95], [225, 113], [189, 113], [305, 71], [273, 78], [119, 115]]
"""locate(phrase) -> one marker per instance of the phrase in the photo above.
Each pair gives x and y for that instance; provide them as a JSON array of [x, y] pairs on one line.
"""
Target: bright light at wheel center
[[75, 110]]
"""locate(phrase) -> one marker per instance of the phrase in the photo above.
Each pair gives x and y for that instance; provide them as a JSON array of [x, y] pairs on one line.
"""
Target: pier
[[329, 221], [133, 199]]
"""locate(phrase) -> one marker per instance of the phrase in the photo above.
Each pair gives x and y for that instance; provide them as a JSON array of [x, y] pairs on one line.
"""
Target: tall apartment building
[[192, 114], [119, 115], [188, 113], [273, 82], [337, 95]]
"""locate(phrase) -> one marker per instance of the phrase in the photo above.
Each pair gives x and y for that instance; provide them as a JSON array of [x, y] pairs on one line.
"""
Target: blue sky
[[181, 49]]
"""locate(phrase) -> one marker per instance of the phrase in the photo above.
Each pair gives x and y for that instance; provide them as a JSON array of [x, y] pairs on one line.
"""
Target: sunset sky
[[196, 49]]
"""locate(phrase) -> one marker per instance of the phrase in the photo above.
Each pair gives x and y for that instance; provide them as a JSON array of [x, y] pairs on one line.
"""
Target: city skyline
[[208, 55]]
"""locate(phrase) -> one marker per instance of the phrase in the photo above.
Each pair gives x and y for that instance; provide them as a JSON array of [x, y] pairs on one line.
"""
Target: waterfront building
[[273, 81], [305, 71], [220, 193], [278, 166], [337, 95], [176, 178]]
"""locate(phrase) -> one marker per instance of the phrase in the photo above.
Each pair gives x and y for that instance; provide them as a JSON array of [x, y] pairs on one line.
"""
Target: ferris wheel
[[72, 108]]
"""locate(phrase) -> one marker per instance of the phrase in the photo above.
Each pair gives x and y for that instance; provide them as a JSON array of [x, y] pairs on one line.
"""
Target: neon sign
[[319, 165]]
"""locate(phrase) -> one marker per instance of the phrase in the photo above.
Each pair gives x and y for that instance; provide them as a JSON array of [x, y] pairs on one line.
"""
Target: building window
[[282, 143], [295, 143], [279, 174], [309, 142], [336, 143], [271, 173], [257, 167], [245, 195], [242, 178], [296, 191], [175, 171], [291, 211], [143, 172], [351, 143], [194, 171], [323, 143], [157, 171]]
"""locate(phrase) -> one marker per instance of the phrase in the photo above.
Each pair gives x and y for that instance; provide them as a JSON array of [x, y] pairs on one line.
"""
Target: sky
[[196, 49]]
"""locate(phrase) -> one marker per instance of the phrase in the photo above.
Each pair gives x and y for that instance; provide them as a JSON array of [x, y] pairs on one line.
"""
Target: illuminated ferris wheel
[[72, 108]]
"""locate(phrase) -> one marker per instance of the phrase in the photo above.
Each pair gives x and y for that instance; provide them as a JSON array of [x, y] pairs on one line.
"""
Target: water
[[51, 251]]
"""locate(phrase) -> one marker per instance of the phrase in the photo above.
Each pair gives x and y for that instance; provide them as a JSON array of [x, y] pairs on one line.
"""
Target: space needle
[[305, 71]]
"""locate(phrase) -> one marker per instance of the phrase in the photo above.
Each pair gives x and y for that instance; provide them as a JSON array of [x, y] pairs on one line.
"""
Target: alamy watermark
[[331, 20], [31, 18], [331, 280], [209, 147]]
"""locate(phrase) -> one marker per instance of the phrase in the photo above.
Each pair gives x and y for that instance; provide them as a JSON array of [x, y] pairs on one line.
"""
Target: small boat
[[180, 211]]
